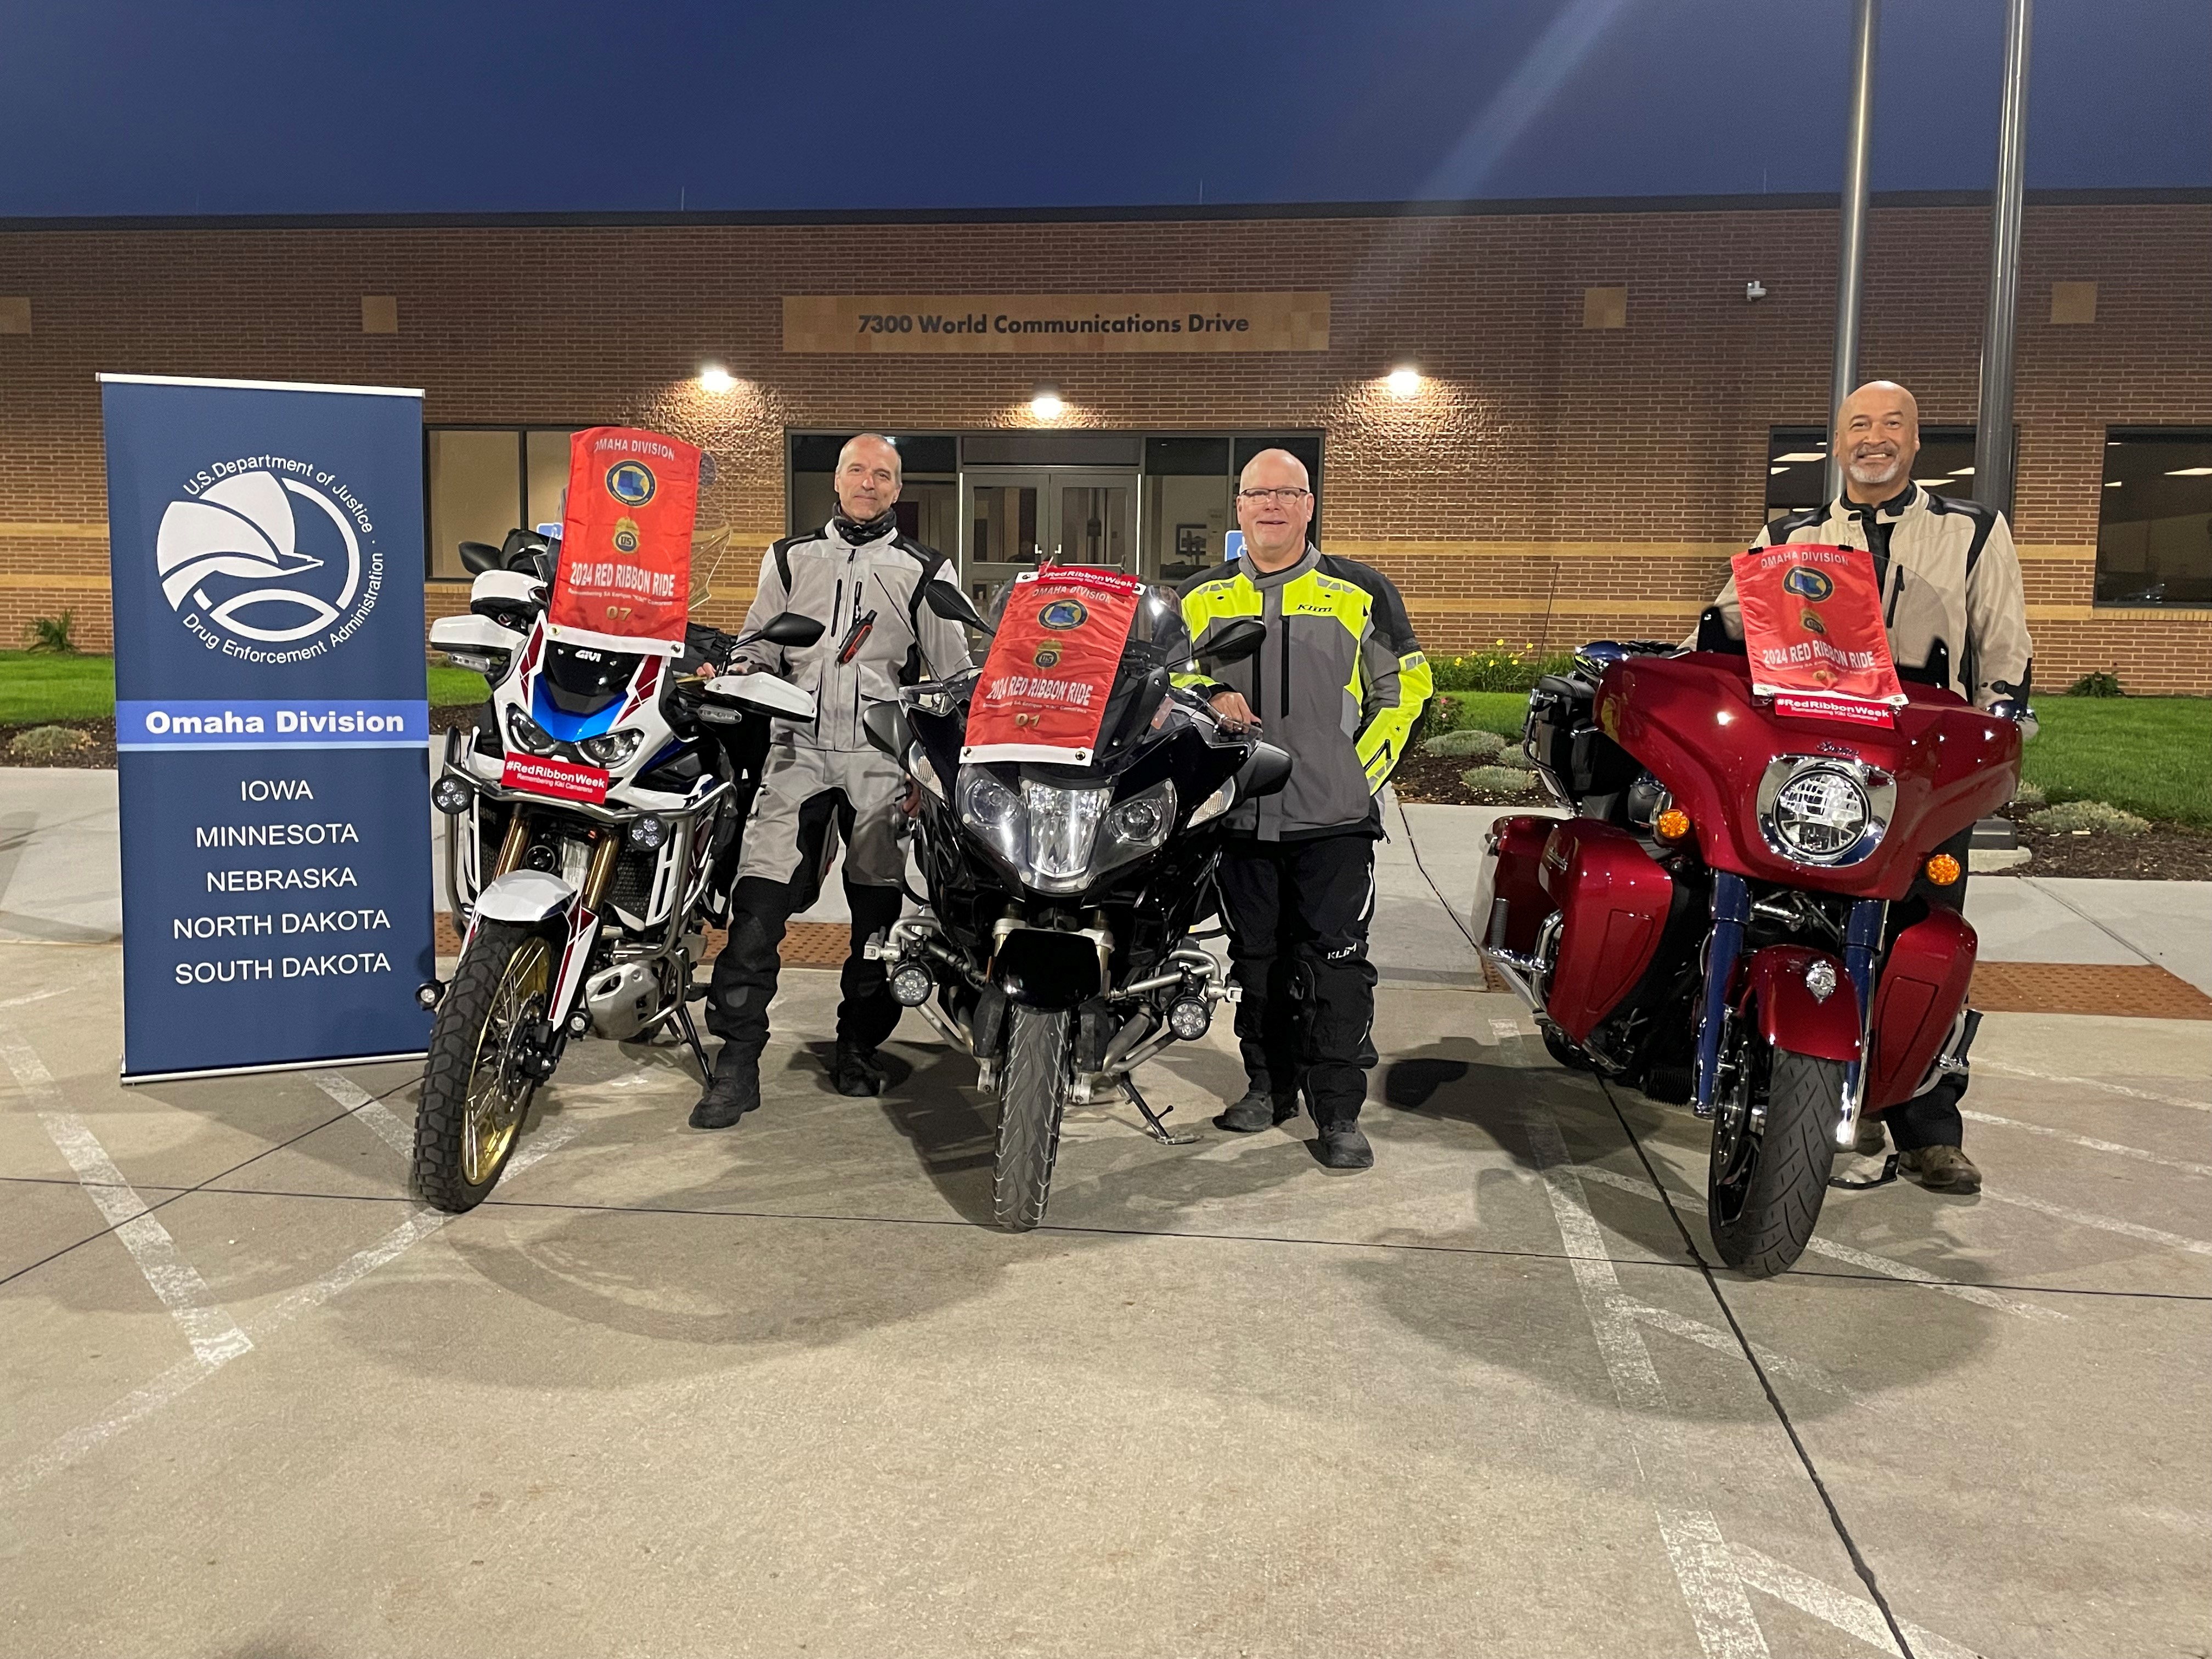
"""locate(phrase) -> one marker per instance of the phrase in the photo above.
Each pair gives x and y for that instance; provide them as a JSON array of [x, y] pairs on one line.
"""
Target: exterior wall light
[[1404, 381], [1046, 406], [715, 379]]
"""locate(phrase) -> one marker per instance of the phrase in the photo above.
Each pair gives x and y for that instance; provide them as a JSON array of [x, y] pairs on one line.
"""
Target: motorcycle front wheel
[[477, 1082], [1772, 1154], [1032, 1100]]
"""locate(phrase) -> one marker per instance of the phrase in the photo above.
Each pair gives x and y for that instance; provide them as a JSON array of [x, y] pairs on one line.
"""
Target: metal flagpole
[[1993, 441], [1851, 251]]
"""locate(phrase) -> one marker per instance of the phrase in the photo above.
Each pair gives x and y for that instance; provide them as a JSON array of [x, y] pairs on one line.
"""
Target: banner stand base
[[131, 1079]]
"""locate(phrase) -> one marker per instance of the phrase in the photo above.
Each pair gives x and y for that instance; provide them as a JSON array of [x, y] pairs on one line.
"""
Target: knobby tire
[[461, 1045]]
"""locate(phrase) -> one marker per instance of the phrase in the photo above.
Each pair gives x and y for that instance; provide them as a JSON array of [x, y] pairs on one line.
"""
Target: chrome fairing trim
[[1881, 789]]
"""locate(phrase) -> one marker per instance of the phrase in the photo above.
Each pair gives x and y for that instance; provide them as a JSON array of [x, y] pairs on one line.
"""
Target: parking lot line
[[381, 1119], [207, 1325], [1981, 1064], [2103, 1223], [2089, 1141]]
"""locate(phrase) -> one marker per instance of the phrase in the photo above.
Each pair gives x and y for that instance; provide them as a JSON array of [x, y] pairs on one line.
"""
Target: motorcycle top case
[[1044, 687], [623, 582]]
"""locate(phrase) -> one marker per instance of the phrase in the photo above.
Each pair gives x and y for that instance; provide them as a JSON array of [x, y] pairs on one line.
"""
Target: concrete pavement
[[779, 1391]]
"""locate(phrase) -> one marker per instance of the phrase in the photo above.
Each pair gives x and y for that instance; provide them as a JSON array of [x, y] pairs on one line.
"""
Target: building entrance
[[1015, 518]]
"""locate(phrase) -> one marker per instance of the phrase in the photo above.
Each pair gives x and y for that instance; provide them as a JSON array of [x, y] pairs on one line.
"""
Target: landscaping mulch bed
[[461, 714], [2166, 852], [98, 754], [1434, 781]]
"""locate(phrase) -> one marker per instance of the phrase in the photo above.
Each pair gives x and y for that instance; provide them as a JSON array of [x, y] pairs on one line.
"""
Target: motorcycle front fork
[[1724, 947]]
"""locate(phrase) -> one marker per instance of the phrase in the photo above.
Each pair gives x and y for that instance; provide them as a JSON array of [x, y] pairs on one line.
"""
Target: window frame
[[521, 477], [2118, 435]]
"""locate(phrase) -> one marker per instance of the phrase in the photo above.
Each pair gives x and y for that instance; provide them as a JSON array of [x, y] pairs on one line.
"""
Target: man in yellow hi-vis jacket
[[1339, 683]]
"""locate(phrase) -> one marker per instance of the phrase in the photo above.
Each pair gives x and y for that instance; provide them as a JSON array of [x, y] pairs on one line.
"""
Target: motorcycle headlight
[[611, 749], [1063, 826], [1139, 823], [995, 813], [527, 735], [1820, 811]]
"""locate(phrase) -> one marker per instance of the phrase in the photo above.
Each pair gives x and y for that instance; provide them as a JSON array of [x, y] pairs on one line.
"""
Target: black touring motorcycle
[[1053, 944]]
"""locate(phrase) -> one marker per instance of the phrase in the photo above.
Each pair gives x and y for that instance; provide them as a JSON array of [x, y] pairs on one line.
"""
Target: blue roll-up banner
[[271, 721]]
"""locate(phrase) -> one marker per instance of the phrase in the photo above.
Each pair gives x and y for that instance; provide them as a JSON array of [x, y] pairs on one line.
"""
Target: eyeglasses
[[1262, 497]]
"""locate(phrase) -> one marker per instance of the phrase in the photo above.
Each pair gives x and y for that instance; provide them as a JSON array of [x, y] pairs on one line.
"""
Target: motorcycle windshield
[[1135, 687]]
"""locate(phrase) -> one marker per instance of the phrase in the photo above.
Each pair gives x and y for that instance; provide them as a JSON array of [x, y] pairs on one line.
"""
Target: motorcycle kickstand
[[1153, 1121], [691, 1038]]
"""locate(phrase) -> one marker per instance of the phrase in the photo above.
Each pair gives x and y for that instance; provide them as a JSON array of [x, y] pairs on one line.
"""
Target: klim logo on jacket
[[244, 572]]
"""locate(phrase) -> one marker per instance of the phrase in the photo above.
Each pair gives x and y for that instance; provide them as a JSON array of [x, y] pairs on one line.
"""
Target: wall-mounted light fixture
[[715, 379], [1046, 406], [1404, 381]]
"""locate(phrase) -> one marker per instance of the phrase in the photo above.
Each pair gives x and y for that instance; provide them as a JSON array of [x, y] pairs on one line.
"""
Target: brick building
[[1602, 416]]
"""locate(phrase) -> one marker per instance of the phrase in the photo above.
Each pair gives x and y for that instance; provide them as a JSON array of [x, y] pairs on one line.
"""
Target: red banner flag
[[1812, 630], [624, 581], [1051, 665]]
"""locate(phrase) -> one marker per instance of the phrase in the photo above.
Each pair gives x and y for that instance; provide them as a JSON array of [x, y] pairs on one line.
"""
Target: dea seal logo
[[251, 569], [1048, 655], [1064, 613], [631, 483], [1808, 583], [626, 536]]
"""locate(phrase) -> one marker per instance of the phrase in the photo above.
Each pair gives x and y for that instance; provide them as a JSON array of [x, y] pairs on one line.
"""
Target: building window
[[928, 507], [1797, 465], [486, 481], [2155, 529]]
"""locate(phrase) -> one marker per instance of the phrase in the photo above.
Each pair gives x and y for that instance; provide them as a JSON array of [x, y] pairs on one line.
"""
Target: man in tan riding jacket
[[1948, 574]]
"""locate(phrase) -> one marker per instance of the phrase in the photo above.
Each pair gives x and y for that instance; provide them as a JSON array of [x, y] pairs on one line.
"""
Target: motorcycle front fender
[[526, 896], [1048, 968], [1773, 990]]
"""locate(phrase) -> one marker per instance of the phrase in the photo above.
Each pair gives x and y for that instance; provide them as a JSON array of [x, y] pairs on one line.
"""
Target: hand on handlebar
[[1230, 708]]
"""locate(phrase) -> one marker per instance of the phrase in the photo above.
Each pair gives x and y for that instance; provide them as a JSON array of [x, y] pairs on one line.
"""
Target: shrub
[[47, 743], [1499, 780], [1481, 745], [54, 634], [2096, 685], [2029, 795], [2091, 815], [1498, 669]]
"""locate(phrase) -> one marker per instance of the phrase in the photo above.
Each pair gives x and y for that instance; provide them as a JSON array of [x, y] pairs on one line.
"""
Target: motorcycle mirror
[[1236, 641], [791, 629], [1265, 774], [885, 725], [476, 557], [950, 603]]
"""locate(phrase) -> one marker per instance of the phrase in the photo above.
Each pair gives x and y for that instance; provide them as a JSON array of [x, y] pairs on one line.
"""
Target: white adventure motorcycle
[[585, 818]]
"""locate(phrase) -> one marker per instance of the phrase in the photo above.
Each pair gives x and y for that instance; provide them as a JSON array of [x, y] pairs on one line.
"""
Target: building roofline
[[1511, 207]]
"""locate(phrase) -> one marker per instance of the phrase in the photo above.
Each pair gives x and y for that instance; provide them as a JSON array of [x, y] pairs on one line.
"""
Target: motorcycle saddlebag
[[1517, 857], [1923, 987], [1613, 897]]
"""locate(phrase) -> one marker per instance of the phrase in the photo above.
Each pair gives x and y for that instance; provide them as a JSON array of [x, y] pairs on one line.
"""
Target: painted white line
[[1835, 1252], [39, 996], [380, 1119], [1717, 1606], [1982, 1065], [2103, 1223], [144, 1402], [2089, 1141], [1852, 1614], [1721, 1341], [1505, 1031], [207, 1325]]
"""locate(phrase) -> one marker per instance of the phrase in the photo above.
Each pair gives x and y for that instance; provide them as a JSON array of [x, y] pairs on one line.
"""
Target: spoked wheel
[[477, 1084], [1031, 1099], [1771, 1153]]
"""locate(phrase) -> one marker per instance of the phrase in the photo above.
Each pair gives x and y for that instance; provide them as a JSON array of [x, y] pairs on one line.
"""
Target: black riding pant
[[1932, 1119], [1297, 915], [744, 982]]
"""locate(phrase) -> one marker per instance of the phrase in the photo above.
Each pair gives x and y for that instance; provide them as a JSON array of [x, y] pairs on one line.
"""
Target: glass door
[[1015, 518]]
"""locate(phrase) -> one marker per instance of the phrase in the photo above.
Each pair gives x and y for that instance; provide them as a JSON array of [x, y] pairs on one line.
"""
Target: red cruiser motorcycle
[[1736, 916]]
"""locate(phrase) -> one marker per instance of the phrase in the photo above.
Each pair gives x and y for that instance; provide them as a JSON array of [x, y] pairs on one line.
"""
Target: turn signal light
[[1672, 825], [1943, 870]]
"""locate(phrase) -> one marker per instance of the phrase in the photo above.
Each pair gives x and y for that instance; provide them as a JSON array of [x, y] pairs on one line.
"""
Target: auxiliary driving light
[[1943, 869], [450, 796], [429, 994], [647, 833], [1190, 1017], [912, 984]]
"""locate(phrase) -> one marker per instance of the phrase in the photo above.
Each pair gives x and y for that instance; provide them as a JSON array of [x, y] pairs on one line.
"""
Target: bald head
[[1274, 505], [868, 477], [1877, 439]]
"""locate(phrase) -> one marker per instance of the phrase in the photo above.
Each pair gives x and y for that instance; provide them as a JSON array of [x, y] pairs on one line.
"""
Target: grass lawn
[[36, 687]]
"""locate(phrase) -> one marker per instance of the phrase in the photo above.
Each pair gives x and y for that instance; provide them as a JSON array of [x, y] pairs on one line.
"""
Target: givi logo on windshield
[[560, 779]]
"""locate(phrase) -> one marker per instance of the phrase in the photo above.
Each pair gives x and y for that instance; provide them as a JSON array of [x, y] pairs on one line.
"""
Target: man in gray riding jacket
[[821, 782]]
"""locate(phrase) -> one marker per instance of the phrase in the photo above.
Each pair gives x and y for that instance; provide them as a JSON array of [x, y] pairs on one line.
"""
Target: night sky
[[225, 107]]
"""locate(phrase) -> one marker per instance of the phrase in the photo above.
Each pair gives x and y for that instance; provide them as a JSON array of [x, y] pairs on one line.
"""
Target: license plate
[[559, 779]]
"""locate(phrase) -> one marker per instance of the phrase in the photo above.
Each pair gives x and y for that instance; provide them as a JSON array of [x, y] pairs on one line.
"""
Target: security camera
[[1754, 289]]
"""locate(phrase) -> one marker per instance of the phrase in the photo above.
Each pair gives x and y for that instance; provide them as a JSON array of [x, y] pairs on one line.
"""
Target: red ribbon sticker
[[562, 780], [624, 581], [1051, 665], [1812, 630]]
